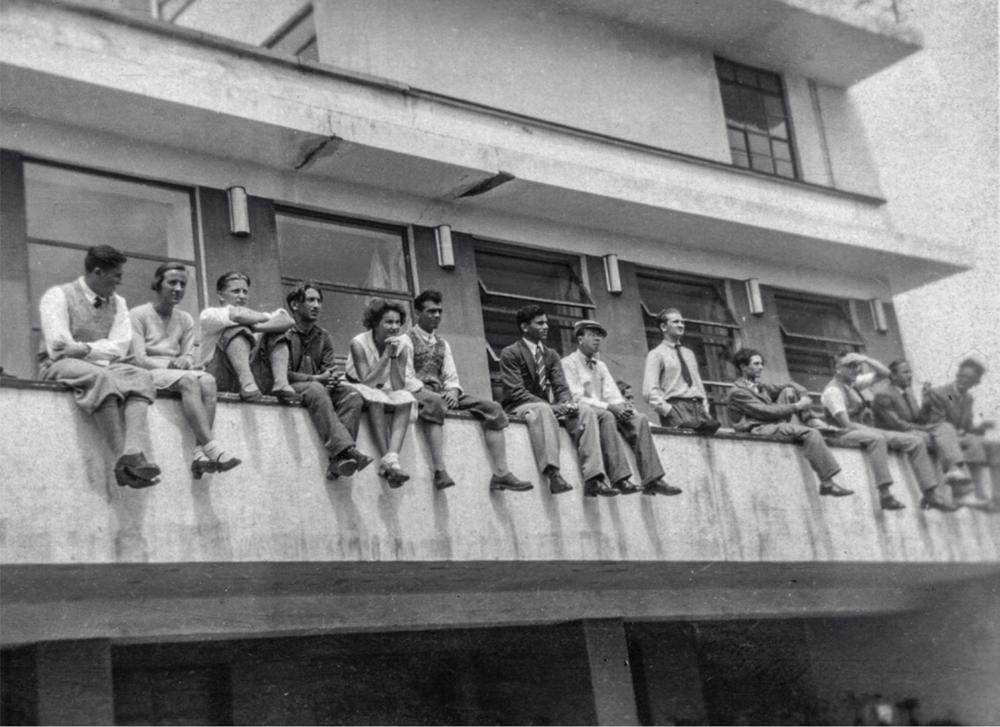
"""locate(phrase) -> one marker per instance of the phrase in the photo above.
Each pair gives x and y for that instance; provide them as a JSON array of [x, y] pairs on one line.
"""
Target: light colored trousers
[[878, 442]]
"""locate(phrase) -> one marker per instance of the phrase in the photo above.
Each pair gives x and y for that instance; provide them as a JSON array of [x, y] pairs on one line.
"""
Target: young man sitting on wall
[[228, 339], [87, 334]]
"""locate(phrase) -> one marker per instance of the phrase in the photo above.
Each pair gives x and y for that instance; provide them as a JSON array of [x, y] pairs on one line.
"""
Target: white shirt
[[54, 313], [593, 386], [833, 397], [449, 372], [212, 321]]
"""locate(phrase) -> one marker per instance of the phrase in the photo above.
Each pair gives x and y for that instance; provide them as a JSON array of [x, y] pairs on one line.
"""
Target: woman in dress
[[163, 342], [376, 368]]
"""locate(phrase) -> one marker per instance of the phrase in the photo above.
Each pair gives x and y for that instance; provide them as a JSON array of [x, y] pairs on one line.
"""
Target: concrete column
[[610, 675], [74, 682]]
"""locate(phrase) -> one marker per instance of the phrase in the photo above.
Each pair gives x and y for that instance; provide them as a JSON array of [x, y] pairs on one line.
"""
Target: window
[[69, 210], [510, 278], [350, 261], [710, 328], [296, 36], [757, 119], [813, 331]]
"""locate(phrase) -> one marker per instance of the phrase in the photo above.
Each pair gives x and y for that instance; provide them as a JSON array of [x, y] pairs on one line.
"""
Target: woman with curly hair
[[376, 368]]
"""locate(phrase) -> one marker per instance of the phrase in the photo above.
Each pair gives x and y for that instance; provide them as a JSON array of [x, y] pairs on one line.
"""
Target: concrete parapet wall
[[743, 501]]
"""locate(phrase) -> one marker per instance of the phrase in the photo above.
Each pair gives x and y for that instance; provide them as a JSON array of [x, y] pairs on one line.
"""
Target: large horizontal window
[[512, 277], [350, 261], [68, 210], [813, 331], [710, 329]]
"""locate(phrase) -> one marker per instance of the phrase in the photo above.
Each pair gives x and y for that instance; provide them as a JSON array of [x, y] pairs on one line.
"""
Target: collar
[[668, 344], [314, 330], [425, 336], [533, 347], [584, 361], [90, 294]]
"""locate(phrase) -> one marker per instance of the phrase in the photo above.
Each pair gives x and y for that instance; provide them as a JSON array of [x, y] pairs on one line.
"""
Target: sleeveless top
[[428, 361], [86, 323], [858, 408]]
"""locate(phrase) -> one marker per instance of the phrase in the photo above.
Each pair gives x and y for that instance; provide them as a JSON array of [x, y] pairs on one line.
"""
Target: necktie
[[543, 379], [591, 364], [99, 301], [910, 403], [685, 371]]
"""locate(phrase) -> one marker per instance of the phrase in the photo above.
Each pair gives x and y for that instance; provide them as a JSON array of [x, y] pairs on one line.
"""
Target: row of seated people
[[115, 360]]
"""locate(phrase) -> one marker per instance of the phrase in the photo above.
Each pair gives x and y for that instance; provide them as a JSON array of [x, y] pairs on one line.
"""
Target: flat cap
[[587, 323]]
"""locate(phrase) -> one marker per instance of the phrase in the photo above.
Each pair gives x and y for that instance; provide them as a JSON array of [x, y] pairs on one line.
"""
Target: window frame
[[735, 127]]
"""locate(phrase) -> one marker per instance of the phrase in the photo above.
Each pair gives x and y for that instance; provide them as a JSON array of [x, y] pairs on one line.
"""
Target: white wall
[[932, 121]]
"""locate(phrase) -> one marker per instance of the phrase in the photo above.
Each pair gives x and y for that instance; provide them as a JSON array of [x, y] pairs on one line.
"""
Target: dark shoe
[[126, 476], [708, 427], [137, 466], [832, 489], [287, 396], [598, 486], [557, 484], [888, 502], [250, 393], [201, 467], [509, 482], [626, 487], [932, 501], [394, 475], [362, 459], [341, 466], [226, 463], [442, 480], [659, 487]]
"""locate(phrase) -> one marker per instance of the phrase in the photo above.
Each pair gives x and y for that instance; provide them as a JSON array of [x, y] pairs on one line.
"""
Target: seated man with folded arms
[[771, 409], [432, 365], [672, 384], [952, 403], [87, 334], [592, 385], [334, 407], [848, 410], [896, 409], [163, 343], [228, 341], [534, 386]]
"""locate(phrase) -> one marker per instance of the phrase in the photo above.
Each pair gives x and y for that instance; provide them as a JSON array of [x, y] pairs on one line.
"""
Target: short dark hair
[[661, 317], [298, 293], [104, 257], [224, 279], [894, 366], [977, 366], [377, 308], [162, 271], [742, 357], [528, 313], [433, 296]]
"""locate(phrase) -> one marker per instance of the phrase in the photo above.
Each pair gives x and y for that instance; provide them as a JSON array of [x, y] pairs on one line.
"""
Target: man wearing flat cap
[[850, 411], [593, 387]]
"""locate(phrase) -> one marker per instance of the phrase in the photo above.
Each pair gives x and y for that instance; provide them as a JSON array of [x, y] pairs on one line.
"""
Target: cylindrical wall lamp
[[878, 315], [445, 251], [754, 299], [612, 275], [239, 211]]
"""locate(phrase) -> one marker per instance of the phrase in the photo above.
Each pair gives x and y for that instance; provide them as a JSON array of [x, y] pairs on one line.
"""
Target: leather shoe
[[598, 486], [832, 489], [128, 476], [932, 501], [888, 502], [362, 459], [395, 475], [659, 487], [626, 487], [442, 480], [557, 484], [287, 396], [341, 466], [509, 482]]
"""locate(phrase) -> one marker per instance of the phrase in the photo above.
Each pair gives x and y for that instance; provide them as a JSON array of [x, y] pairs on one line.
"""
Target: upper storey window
[[759, 128]]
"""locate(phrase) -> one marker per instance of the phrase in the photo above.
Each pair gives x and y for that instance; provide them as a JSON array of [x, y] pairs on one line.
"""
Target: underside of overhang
[[467, 192]]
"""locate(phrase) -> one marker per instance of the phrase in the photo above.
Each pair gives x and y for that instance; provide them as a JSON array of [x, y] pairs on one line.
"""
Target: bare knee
[[208, 386], [188, 386]]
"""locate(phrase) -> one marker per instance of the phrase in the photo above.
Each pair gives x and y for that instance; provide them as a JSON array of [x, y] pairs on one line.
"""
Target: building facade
[[602, 159]]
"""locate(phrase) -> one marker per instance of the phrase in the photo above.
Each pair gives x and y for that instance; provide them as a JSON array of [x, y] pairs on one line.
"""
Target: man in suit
[[895, 409], [953, 403], [778, 410], [534, 386]]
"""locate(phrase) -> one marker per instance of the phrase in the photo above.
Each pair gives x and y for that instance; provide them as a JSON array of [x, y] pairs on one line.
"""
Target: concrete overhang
[[839, 43], [159, 85]]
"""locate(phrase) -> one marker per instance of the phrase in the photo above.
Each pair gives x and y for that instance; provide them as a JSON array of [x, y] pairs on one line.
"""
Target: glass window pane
[[769, 82], [737, 140], [534, 278], [746, 76], [762, 163], [64, 205], [331, 252], [695, 299], [731, 100], [725, 69], [784, 169], [49, 265], [752, 109], [778, 128], [774, 105], [817, 318], [759, 144], [741, 160], [781, 150]]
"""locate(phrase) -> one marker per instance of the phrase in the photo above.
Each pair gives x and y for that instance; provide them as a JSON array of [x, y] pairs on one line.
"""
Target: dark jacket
[[891, 409], [749, 409], [520, 380]]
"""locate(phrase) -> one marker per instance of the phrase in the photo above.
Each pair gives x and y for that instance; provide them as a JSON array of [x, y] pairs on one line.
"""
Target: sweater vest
[[428, 361]]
